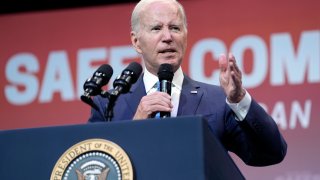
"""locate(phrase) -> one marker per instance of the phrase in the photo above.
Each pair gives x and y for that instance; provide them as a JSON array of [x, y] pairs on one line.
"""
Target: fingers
[[233, 64], [235, 72], [223, 63], [158, 101], [228, 63], [155, 102]]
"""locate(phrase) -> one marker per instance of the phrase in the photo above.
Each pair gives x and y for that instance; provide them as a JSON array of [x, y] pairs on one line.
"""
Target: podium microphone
[[93, 85], [122, 85], [165, 75], [129, 76]]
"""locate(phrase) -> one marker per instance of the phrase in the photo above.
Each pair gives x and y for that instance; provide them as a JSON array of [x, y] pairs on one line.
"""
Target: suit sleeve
[[256, 139], [97, 115]]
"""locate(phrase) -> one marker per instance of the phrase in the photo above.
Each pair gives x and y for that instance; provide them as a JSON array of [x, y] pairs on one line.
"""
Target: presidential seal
[[93, 159]]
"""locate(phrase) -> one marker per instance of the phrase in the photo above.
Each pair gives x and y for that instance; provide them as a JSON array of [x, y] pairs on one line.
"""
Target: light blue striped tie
[[157, 116]]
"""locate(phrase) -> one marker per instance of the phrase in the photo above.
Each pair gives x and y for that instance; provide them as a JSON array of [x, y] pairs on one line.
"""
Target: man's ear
[[135, 41]]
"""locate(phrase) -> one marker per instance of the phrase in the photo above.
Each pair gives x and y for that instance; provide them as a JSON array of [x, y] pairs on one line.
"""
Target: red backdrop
[[46, 56]]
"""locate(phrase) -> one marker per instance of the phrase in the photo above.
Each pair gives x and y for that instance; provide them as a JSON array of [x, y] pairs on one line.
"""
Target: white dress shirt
[[240, 109]]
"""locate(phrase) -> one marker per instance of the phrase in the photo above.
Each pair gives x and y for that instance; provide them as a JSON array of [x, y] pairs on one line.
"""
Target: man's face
[[162, 37]]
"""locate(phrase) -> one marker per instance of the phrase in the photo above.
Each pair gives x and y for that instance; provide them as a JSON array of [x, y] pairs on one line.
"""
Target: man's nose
[[166, 35]]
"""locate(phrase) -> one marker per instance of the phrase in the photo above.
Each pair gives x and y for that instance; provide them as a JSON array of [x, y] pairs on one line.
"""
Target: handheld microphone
[[93, 85], [165, 75], [129, 76]]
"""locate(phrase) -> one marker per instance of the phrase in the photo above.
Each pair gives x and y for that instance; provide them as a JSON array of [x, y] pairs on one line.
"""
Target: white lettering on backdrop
[[289, 64]]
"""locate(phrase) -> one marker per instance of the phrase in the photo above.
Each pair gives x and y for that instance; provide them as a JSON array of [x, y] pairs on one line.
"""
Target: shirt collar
[[150, 79], [178, 78]]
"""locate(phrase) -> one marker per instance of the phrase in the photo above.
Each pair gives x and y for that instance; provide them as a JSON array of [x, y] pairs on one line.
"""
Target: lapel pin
[[193, 92]]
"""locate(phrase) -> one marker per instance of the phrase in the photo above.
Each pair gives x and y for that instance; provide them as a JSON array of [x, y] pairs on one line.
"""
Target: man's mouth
[[167, 51]]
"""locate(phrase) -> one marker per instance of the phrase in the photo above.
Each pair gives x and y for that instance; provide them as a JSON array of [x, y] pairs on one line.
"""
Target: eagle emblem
[[93, 170]]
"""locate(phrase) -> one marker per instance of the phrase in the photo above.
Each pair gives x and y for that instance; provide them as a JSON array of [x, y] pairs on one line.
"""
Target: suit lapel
[[190, 97], [136, 92]]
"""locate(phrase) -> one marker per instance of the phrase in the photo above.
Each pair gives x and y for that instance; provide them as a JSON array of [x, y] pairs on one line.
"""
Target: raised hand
[[231, 78]]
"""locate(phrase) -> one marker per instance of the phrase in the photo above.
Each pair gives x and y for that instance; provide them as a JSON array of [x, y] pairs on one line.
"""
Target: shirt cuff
[[241, 109]]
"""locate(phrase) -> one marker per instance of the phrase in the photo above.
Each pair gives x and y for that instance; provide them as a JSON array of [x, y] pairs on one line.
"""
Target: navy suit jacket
[[256, 139]]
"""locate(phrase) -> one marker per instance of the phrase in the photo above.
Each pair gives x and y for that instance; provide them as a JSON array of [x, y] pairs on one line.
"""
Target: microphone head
[[136, 70], [106, 72], [93, 85], [99, 78], [165, 72]]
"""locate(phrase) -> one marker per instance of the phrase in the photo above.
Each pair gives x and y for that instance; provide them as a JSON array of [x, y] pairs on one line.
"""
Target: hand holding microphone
[[158, 104]]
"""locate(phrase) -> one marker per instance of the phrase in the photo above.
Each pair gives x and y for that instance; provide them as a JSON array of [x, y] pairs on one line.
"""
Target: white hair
[[135, 16]]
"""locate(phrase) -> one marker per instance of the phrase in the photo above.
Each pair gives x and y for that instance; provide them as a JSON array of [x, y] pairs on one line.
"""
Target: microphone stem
[[109, 111], [112, 96]]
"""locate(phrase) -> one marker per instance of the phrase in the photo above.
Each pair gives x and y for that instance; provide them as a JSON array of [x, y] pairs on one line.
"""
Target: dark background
[[19, 6]]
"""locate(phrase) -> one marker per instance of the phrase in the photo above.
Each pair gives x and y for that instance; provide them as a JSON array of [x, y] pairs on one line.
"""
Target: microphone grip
[[165, 86], [165, 114]]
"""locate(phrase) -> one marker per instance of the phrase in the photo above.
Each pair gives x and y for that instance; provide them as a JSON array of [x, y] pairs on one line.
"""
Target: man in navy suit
[[159, 35]]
